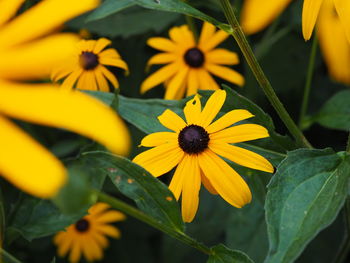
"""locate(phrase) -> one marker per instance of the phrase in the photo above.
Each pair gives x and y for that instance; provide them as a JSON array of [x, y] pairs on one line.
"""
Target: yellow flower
[[88, 235], [194, 146], [87, 66], [189, 63], [28, 52], [333, 19]]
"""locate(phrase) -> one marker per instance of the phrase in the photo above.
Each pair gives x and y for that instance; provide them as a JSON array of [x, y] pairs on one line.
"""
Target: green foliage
[[226, 255], [304, 196]]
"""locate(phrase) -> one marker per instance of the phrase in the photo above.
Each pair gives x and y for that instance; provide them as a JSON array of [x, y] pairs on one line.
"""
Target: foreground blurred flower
[[333, 18], [189, 63], [195, 145], [88, 235], [87, 66], [26, 53]]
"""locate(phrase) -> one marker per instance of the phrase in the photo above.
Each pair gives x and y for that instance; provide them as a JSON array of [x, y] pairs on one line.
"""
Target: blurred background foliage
[[284, 58]]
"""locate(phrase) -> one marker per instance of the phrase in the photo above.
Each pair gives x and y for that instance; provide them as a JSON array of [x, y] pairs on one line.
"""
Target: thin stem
[[307, 88], [175, 233], [345, 246], [264, 83], [8, 258], [348, 144]]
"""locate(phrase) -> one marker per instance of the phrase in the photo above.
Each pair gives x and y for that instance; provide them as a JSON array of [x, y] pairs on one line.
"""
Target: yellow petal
[[69, 82], [102, 83], [161, 159], [109, 53], [241, 156], [41, 19], [158, 138], [240, 133], [229, 184], [175, 84], [75, 111], [101, 44], [206, 81], [162, 44], [65, 245], [222, 56], [159, 76], [100, 239], [172, 121], [98, 208], [192, 82], [311, 9], [190, 189], [212, 107], [208, 185], [27, 164], [76, 251], [114, 62], [218, 37], [193, 110], [228, 119], [8, 9], [179, 176], [89, 82], [110, 231], [333, 43], [225, 73], [110, 216], [343, 10], [162, 58], [109, 75], [208, 30], [37, 59], [62, 71], [257, 14]]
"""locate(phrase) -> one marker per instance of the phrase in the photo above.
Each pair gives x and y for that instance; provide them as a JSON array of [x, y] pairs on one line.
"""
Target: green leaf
[[223, 254], [109, 7], [304, 197], [335, 113], [150, 194]]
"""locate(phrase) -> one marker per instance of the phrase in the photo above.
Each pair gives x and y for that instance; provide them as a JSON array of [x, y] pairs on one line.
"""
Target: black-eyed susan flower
[[27, 51], [87, 67], [333, 31], [87, 236], [195, 145], [189, 64]]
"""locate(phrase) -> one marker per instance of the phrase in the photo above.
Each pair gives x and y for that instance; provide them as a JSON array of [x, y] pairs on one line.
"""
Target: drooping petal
[[158, 138], [27, 164], [240, 133], [115, 62], [311, 9], [206, 81], [172, 121], [161, 159], [190, 189], [178, 178], [229, 184], [228, 119], [175, 84], [193, 110], [257, 14], [212, 107], [225, 73], [90, 81], [208, 185], [192, 82], [69, 82], [242, 156], [109, 75], [101, 43], [159, 76], [65, 245], [162, 44], [343, 10], [102, 83], [222, 56], [100, 239], [75, 111], [76, 250], [37, 59], [53, 12], [8, 9]]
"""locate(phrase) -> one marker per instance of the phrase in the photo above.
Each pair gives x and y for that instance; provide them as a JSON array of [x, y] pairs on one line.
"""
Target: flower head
[[87, 66], [29, 52], [88, 235], [195, 145], [190, 63]]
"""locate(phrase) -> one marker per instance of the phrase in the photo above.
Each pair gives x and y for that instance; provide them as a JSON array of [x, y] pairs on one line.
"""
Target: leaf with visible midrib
[[304, 196], [222, 254]]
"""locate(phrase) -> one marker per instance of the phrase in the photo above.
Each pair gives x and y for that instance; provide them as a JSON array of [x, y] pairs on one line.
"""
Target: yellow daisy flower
[[332, 18], [27, 51], [190, 63], [194, 146], [87, 66], [88, 235]]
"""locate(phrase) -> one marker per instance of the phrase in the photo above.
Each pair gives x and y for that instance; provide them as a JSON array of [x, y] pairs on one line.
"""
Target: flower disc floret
[[193, 139], [82, 225], [88, 60], [194, 57]]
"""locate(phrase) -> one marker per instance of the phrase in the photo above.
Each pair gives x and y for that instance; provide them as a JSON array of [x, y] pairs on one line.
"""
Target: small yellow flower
[[88, 235], [194, 146], [190, 63], [29, 52], [87, 66]]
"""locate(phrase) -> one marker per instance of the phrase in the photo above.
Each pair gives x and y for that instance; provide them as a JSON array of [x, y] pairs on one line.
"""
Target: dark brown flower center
[[194, 57], [82, 225], [88, 60], [193, 139]]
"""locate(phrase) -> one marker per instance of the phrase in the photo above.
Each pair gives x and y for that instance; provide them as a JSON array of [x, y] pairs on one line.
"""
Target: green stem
[[177, 234], [348, 144], [264, 83], [192, 26], [7, 257], [345, 246], [307, 88]]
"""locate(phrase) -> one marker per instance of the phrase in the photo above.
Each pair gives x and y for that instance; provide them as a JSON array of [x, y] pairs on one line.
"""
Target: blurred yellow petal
[[42, 18], [192, 82], [222, 56], [226, 74], [258, 14], [69, 82], [162, 44], [206, 81], [228, 119], [162, 58], [208, 30], [102, 83], [110, 216], [171, 120], [215, 40], [115, 62], [8, 9], [311, 9], [37, 59], [158, 138], [109, 75], [75, 111], [175, 84], [212, 107], [343, 10], [76, 251], [27, 164], [100, 44], [110, 52]]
